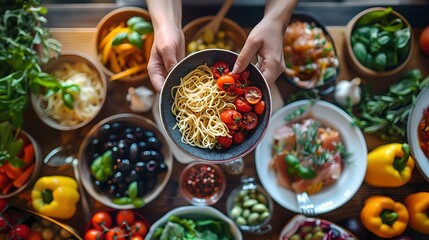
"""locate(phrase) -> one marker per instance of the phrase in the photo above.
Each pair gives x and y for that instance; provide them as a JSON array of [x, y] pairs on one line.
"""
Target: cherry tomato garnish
[[224, 142], [230, 116], [236, 76], [225, 82], [244, 76], [234, 126], [242, 105], [253, 95], [250, 120], [238, 137], [220, 68], [239, 88], [259, 107]]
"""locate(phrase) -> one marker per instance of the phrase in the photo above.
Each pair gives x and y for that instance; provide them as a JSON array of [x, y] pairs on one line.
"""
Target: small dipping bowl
[[250, 207], [202, 183]]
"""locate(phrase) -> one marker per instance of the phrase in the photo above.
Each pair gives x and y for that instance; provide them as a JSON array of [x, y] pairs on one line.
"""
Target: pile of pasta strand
[[197, 106], [87, 102]]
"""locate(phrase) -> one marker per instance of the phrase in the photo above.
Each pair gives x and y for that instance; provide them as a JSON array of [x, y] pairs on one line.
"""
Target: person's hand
[[266, 42], [168, 48]]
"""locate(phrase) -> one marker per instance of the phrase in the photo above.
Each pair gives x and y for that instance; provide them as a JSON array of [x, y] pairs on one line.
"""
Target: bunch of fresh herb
[[25, 43], [387, 115]]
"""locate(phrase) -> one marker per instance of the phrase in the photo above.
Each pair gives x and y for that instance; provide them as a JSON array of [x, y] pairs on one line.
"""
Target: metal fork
[[305, 204]]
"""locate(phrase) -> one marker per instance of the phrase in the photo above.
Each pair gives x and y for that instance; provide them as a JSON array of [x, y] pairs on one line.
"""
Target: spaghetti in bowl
[[80, 71], [340, 181], [193, 107]]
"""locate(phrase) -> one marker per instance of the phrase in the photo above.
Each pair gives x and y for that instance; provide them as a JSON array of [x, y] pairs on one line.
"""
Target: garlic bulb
[[141, 99], [348, 89]]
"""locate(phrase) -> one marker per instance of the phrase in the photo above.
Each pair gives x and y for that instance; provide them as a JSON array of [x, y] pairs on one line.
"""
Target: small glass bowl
[[250, 207], [202, 183]]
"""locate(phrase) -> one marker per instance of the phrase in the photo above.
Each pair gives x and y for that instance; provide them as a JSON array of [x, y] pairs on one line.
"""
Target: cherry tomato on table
[[250, 120], [139, 228], [125, 216], [230, 116], [253, 95], [226, 83], [220, 68], [92, 234], [101, 220], [242, 104]]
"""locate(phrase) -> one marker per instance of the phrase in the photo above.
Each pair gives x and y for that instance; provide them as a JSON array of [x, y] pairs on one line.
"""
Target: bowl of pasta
[[74, 94], [323, 153], [212, 114]]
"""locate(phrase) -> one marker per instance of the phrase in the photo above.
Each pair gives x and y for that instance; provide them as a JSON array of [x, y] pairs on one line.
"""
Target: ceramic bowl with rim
[[401, 59], [168, 120], [319, 72], [414, 119], [107, 25], [334, 195], [230, 36], [196, 213], [293, 227], [73, 63], [202, 183], [37, 159], [139, 153]]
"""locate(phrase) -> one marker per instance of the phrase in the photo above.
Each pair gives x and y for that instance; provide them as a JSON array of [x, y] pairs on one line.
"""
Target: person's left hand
[[266, 42]]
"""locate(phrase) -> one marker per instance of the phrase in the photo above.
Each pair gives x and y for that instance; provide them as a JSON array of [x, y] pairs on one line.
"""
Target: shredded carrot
[[106, 51], [111, 35], [148, 42], [22, 179], [129, 72], [114, 62], [126, 47]]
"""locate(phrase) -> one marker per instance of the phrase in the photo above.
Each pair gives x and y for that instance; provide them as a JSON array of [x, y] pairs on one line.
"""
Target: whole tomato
[[424, 40], [20, 231], [139, 228], [115, 234], [125, 216], [101, 220], [92, 234]]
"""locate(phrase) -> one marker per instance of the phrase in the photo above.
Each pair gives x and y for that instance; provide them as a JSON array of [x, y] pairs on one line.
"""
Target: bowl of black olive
[[124, 161]]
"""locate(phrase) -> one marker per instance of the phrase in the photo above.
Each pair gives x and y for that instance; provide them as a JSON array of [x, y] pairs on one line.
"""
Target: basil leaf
[[133, 20], [380, 62], [402, 38], [143, 28], [360, 52], [135, 39], [119, 38]]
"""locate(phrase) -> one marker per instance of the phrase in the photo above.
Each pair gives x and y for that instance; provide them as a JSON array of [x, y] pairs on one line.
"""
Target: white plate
[[422, 162], [330, 197]]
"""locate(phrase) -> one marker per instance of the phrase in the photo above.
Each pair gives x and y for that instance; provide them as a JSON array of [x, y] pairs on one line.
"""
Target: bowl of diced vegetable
[[123, 42], [203, 221], [379, 42], [20, 159]]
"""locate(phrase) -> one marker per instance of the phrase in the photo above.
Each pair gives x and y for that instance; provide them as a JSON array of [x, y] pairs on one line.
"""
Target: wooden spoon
[[214, 24]]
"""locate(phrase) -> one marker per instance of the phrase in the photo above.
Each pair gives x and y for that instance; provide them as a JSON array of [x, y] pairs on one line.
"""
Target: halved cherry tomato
[[250, 120], [253, 95], [244, 75], [230, 116], [259, 107], [224, 142], [239, 88], [234, 126], [238, 137], [225, 82], [220, 68], [236, 76], [242, 105]]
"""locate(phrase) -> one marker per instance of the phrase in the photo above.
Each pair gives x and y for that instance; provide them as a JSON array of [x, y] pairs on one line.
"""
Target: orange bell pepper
[[384, 217], [418, 208]]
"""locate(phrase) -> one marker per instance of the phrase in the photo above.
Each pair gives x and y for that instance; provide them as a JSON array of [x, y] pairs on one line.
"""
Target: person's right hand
[[167, 50]]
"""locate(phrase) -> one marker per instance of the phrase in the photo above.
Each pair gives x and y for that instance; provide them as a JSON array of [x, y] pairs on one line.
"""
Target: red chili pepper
[[220, 68]]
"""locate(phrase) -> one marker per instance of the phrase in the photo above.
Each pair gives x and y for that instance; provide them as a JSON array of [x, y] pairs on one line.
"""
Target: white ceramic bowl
[[196, 213], [421, 160], [334, 195]]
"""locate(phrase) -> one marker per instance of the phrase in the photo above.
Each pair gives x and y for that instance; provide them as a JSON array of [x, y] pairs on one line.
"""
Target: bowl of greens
[[196, 221], [379, 42]]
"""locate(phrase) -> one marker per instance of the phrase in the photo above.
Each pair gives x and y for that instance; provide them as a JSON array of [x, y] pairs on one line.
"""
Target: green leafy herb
[[386, 115], [137, 26], [25, 42], [10, 145]]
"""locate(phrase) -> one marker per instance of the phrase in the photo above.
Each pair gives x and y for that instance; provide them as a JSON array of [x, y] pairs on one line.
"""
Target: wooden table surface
[[81, 39]]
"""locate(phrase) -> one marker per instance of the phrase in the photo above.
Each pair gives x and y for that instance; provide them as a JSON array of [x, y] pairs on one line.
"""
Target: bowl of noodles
[[213, 115], [78, 96]]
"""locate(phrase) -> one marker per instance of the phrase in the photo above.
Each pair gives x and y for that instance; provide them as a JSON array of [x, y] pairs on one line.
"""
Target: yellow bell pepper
[[384, 217], [418, 208], [389, 165], [55, 196]]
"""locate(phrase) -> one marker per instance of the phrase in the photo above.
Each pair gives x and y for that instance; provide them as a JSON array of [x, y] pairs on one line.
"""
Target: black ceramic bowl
[[301, 57], [186, 65]]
